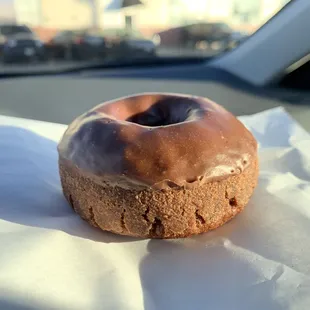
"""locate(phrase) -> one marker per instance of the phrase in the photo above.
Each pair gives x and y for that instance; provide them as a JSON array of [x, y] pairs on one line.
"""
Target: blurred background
[[51, 33]]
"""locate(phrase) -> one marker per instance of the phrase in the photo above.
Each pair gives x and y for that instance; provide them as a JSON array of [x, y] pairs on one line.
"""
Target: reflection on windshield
[[51, 33]]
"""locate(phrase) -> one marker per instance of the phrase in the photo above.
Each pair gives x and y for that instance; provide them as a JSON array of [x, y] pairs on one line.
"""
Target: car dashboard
[[60, 98]]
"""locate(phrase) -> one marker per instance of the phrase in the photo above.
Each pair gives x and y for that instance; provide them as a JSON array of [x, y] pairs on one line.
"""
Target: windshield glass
[[81, 31]]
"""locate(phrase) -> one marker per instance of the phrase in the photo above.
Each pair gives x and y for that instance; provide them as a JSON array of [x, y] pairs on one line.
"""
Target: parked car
[[129, 43], [18, 44], [200, 35], [77, 45], [237, 37]]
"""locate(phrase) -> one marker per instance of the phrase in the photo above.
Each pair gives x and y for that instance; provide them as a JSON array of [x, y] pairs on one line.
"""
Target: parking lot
[[60, 65]]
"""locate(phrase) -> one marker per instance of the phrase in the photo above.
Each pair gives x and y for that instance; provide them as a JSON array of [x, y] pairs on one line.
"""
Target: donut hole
[[233, 202], [191, 180], [168, 111], [172, 184], [157, 228], [199, 218]]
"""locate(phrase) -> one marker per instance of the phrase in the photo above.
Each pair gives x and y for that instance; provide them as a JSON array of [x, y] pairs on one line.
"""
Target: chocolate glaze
[[158, 141]]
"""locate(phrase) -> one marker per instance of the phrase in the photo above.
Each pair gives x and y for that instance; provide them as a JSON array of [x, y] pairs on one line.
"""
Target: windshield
[[80, 31]]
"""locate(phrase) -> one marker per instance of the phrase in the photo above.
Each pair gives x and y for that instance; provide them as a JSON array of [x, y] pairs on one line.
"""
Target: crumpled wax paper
[[51, 259]]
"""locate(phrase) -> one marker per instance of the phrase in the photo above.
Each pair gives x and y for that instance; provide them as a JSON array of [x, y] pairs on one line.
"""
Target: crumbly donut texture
[[173, 213]]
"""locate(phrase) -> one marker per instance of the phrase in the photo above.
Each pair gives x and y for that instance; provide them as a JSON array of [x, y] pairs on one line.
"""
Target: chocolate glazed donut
[[158, 165]]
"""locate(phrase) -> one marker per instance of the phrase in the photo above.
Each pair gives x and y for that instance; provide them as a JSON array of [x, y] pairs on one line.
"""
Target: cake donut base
[[172, 213]]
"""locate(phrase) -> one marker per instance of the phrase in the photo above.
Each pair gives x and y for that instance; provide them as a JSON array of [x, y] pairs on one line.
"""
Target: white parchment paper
[[51, 259]]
